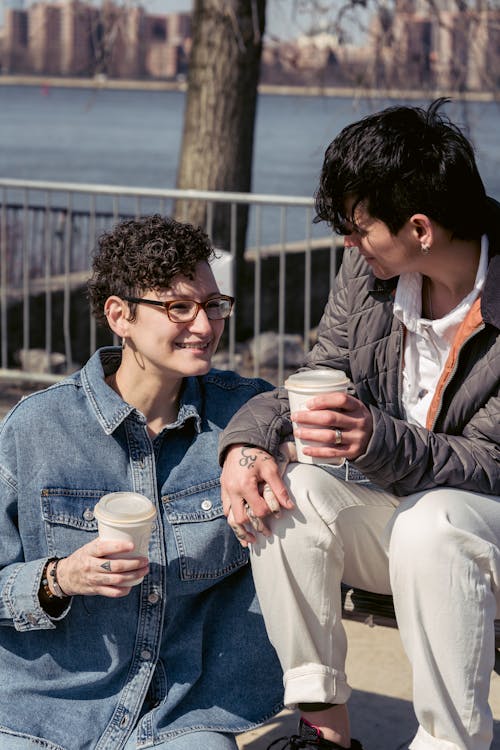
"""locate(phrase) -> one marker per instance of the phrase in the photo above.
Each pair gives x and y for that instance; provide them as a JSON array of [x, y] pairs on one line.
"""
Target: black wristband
[[313, 707]]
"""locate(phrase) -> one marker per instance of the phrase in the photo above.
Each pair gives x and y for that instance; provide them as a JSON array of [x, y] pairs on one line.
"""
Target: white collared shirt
[[428, 342]]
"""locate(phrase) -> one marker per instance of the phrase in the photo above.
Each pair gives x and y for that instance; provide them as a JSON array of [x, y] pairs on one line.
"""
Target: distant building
[[74, 38], [408, 46], [78, 22], [44, 38], [15, 42], [169, 43], [411, 62], [446, 49]]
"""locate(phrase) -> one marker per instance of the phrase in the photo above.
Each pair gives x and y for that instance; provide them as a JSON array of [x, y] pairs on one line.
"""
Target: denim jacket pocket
[[206, 546], [69, 518]]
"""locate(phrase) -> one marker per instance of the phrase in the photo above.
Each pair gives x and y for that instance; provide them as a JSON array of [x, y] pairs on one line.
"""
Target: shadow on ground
[[379, 722]]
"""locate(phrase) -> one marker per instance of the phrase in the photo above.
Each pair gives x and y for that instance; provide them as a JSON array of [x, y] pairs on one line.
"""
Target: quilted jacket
[[359, 334]]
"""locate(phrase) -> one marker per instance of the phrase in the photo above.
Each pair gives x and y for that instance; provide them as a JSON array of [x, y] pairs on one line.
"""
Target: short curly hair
[[143, 254]]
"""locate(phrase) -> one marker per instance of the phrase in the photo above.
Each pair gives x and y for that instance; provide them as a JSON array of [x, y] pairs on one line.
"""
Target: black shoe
[[308, 738]]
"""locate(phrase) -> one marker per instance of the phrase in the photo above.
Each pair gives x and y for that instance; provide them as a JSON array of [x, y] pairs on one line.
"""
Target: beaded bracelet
[[44, 585], [59, 593]]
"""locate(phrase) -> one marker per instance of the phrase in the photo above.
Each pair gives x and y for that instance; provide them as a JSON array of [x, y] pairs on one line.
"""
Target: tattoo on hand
[[248, 460]]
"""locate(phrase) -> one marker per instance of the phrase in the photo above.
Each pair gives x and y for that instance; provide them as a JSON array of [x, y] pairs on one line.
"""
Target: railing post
[[307, 281], [48, 291], [3, 278], [68, 351], [282, 297], [257, 293], [26, 276]]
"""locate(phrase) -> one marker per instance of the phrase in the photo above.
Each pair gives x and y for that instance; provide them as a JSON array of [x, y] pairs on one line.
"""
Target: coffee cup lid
[[125, 507], [320, 379]]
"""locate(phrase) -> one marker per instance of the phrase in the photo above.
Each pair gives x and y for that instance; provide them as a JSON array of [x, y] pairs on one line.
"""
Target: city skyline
[[281, 20], [403, 49]]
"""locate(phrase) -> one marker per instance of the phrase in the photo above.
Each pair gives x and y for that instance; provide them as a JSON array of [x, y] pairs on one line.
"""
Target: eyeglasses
[[345, 227], [186, 310]]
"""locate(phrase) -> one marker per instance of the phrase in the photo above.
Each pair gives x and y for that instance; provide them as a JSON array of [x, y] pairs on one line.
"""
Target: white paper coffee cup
[[126, 516], [301, 386]]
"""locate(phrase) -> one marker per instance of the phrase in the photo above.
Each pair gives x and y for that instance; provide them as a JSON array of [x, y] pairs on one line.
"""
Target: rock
[[220, 361], [265, 349], [37, 360]]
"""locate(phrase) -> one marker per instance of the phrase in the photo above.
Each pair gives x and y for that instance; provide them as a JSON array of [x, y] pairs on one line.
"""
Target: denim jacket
[[185, 650]]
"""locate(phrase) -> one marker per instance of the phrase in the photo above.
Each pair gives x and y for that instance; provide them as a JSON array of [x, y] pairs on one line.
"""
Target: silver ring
[[338, 436], [106, 566], [248, 509]]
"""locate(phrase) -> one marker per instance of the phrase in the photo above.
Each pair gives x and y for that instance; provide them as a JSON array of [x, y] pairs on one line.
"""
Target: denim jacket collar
[[109, 408]]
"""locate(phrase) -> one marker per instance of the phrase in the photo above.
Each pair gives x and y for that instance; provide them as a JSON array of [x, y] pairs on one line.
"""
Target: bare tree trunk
[[219, 121]]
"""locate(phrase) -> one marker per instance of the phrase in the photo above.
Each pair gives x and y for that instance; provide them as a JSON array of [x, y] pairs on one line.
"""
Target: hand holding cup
[[128, 517], [301, 387]]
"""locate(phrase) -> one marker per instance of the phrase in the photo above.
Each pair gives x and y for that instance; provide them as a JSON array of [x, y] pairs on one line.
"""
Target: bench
[[378, 609]]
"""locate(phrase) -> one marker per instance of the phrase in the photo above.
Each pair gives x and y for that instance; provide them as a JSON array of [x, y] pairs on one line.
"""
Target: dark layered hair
[[400, 161], [144, 254]]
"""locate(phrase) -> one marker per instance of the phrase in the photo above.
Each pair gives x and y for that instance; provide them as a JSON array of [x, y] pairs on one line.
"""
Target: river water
[[132, 138]]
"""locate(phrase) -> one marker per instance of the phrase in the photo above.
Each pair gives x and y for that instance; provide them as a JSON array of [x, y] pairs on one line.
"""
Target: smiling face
[[387, 254], [170, 349]]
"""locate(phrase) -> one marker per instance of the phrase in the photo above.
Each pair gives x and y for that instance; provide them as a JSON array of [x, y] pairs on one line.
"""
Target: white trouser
[[437, 552]]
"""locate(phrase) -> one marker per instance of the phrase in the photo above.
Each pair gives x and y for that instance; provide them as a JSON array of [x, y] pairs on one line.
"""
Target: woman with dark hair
[[89, 660], [413, 320]]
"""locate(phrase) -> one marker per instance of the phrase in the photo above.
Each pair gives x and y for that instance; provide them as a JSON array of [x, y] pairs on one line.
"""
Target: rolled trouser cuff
[[315, 683]]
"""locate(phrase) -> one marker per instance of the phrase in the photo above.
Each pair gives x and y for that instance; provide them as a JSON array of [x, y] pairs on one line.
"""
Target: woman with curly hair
[[91, 661]]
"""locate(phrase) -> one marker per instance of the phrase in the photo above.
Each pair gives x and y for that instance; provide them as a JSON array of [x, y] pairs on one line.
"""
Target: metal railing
[[47, 234]]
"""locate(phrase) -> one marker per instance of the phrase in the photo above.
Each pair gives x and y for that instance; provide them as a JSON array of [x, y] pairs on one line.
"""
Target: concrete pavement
[[381, 710]]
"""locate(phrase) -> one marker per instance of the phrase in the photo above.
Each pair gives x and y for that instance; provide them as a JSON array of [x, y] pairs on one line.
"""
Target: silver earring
[[123, 343], [425, 248]]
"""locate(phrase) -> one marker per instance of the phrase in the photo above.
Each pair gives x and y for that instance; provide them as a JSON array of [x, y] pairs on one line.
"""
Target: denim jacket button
[[88, 514], [206, 505], [153, 598], [146, 654]]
